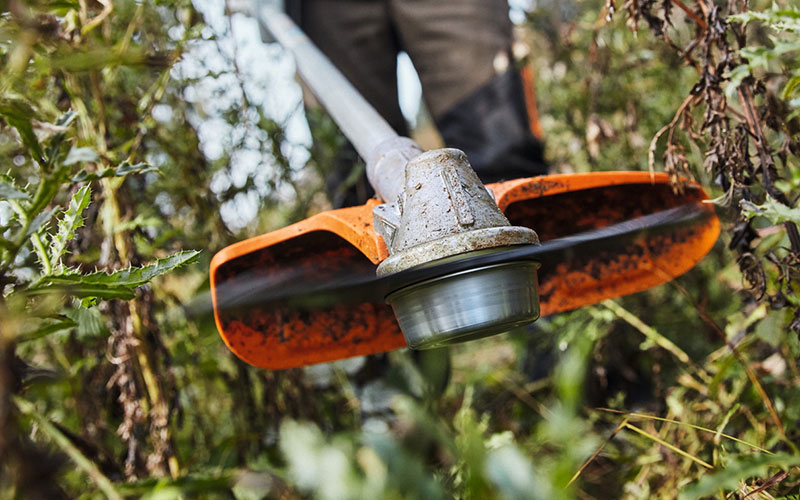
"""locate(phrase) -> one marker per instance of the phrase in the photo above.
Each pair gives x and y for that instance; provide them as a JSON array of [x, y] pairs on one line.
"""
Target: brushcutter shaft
[[372, 136]]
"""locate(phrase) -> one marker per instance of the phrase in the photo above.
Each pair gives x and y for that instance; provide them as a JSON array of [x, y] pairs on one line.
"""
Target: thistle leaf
[[773, 210], [122, 170], [40, 221], [117, 285], [72, 220], [9, 192]]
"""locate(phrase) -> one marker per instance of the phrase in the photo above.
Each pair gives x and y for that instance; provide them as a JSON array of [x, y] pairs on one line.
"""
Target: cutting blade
[[308, 293]]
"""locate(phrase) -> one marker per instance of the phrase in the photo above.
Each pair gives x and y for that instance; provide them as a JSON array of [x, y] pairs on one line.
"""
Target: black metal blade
[[349, 286]]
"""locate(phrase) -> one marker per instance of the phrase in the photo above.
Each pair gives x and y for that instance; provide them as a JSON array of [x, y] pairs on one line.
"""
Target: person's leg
[[461, 50], [492, 127], [453, 45], [358, 37]]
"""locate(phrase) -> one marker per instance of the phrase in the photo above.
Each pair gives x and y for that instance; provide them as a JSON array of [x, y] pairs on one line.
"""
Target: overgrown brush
[[128, 134]]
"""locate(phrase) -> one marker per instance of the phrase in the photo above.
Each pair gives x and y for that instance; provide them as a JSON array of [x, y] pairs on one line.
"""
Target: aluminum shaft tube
[[372, 136]]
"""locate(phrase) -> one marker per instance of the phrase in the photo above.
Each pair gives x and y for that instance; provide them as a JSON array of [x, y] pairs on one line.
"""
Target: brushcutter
[[437, 257]]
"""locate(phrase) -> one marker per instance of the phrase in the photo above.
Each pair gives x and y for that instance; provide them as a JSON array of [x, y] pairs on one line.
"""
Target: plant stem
[[159, 410], [678, 422], [667, 445], [83, 463]]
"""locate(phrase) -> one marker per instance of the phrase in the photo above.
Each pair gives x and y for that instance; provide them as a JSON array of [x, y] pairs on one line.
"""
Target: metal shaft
[[371, 135]]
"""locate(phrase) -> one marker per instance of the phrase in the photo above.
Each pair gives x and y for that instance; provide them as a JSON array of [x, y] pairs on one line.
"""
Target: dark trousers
[[461, 51]]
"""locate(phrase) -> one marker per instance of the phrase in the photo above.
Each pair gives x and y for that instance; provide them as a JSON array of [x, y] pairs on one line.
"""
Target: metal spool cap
[[467, 305], [445, 214]]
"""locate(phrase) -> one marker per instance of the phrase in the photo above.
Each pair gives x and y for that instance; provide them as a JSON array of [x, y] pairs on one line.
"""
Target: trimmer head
[[469, 304], [308, 293], [442, 215]]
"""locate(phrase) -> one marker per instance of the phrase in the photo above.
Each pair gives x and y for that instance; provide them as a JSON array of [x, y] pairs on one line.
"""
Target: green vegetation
[[114, 382]]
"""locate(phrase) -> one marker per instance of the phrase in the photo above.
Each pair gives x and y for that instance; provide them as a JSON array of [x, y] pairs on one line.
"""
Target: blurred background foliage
[[137, 139]]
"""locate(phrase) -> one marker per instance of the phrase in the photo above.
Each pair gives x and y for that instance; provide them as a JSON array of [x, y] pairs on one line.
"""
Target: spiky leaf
[[122, 170], [775, 211], [10, 192], [71, 220], [40, 221], [117, 285]]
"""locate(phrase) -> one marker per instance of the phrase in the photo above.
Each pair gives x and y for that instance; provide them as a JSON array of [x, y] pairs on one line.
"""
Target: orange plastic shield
[[337, 243]]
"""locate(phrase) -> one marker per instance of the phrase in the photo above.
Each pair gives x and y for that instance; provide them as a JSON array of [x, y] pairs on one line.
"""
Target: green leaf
[[126, 168], [81, 155], [791, 85], [122, 170], [50, 185], [736, 76], [513, 474], [738, 470], [137, 222], [184, 484], [47, 189], [141, 275], [89, 322], [9, 192], [70, 284], [85, 60], [63, 4], [40, 221], [66, 119], [117, 285], [41, 253], [777, 18], [47, 327], [72, 220], [53, 148], [757, 57], [84, 176], [773, 210], [19, 114], [784, 47]]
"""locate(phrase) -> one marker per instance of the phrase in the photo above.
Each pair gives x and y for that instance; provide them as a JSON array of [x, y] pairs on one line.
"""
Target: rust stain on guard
[[328, 244]]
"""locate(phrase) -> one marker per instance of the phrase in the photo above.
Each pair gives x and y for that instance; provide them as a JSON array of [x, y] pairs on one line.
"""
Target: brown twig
[[767, 162], [651, 152], [108, 8], [523, 396], [777, 478], [703, 7], [598, 451], [751, 374], [690, 13], [669, 446], [629, 415]]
